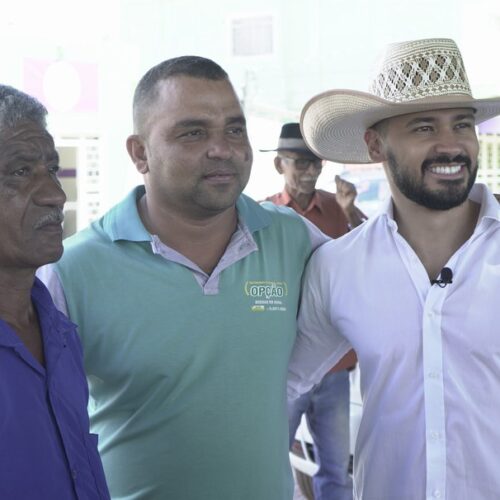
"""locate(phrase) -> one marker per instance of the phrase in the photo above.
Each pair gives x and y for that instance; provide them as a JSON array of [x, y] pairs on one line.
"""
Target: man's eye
[[302, 163], [53, 169], [424, 128], [192, 133], [464, 125], [237, 131], [20, 172]]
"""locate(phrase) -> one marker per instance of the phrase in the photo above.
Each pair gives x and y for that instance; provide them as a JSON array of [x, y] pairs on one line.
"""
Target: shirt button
[[73, 473], [433, 375], [437, 494], [435, 435]]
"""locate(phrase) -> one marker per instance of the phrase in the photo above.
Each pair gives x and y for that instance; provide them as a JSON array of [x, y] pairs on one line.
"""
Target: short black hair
[[16, 108], [195, 66]]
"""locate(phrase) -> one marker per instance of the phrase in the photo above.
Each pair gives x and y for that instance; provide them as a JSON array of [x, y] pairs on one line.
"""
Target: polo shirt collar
[[251, 214], [123, 221]]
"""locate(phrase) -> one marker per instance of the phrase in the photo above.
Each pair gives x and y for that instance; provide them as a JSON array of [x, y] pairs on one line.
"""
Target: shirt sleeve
[[48, 275], [318, 345]]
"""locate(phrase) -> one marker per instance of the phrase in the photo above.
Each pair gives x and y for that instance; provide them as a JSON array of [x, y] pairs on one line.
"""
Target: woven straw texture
[[412, 76], [415, 70]]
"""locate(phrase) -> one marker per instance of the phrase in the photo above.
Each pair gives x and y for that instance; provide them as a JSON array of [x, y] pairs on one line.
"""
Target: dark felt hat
[[291, 140]]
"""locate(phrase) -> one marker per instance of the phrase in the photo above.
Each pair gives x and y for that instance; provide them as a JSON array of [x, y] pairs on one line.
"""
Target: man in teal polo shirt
[[186, 296]]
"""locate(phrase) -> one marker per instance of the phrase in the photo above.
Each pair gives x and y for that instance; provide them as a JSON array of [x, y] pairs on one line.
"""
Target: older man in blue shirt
[[46, 449]]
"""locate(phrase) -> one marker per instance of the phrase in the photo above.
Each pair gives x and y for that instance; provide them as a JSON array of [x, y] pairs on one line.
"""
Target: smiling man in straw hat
[[415, 289]]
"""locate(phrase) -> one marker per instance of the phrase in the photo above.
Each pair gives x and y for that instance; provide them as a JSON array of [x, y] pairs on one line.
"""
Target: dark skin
[[31, 199], [17, 310]]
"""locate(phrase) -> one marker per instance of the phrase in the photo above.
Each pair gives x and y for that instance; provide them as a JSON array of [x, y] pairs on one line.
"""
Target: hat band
[[289, 143]]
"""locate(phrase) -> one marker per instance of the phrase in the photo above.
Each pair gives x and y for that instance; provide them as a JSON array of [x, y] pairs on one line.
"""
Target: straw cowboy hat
[[413, 76], [291, 140]]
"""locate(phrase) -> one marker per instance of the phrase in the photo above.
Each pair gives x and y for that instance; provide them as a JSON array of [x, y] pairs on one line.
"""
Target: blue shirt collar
[[53, 326]]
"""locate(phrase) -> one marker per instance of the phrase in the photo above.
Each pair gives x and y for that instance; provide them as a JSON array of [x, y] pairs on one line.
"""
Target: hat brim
[[296, 150], [334, 123]]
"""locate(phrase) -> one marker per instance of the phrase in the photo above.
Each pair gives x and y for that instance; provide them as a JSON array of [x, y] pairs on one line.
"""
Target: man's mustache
[[54, 217]]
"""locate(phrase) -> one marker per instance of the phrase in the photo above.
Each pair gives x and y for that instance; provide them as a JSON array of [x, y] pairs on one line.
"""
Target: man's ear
[[375, 146], [277, 165], [137, 152]]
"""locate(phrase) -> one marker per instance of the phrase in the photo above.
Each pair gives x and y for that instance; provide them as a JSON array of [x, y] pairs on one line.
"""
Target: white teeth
[[446, 170]]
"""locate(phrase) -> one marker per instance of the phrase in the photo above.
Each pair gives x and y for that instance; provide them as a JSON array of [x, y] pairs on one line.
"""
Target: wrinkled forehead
[[27, 139]]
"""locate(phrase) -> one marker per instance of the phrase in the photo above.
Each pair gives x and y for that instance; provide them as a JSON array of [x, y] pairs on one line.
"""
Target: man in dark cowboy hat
[[415, 289], [334, 214], [326, 406]]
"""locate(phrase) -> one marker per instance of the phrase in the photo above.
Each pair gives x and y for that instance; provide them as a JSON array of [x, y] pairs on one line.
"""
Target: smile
[[446, 170]]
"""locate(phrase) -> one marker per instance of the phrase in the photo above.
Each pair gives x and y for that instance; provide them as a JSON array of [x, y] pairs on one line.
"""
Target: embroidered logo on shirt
[[268, 295]]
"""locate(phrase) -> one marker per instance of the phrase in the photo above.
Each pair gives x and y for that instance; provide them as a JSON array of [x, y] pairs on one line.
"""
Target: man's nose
[[48, 189], [447, 142], [313, 169], [219, 148]]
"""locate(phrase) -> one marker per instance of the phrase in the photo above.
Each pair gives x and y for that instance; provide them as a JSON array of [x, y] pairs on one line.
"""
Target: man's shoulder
[[275, 198], [282, 214], [350, 244], [116, 223], [267, 212], [267, 220]]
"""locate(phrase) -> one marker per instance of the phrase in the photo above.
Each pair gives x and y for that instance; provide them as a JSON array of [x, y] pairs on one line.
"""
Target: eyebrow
[[31, 157], [431, 119], [201, 123], [240, 119]]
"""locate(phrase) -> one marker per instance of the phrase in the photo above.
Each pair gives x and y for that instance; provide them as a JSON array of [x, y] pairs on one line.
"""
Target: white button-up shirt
[[429, 357]]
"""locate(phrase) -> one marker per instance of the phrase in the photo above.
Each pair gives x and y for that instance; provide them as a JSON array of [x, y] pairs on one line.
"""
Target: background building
[[83, 60]]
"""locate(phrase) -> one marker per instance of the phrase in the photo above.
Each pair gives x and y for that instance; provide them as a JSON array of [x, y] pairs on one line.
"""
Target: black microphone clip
[[445, 278]]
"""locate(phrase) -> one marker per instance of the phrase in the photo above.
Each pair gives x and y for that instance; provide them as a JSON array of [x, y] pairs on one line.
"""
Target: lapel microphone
[[445, 278]]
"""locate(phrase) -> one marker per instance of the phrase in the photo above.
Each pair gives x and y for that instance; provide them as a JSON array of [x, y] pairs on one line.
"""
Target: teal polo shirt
[[187, 371]]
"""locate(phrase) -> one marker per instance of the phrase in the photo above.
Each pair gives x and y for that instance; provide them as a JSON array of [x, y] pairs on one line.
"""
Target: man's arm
[[346, 196], [318, 346]]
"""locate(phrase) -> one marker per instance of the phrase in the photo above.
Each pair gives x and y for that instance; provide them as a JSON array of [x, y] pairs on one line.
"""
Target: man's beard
[[452, 194]]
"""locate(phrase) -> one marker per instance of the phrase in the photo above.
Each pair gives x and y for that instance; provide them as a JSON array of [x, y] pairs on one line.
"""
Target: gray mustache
[[54, 217]]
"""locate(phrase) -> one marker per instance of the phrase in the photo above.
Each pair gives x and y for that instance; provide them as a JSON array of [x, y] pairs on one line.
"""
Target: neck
[[435, 235], [15, 296], [302, 199], [202, 240]]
